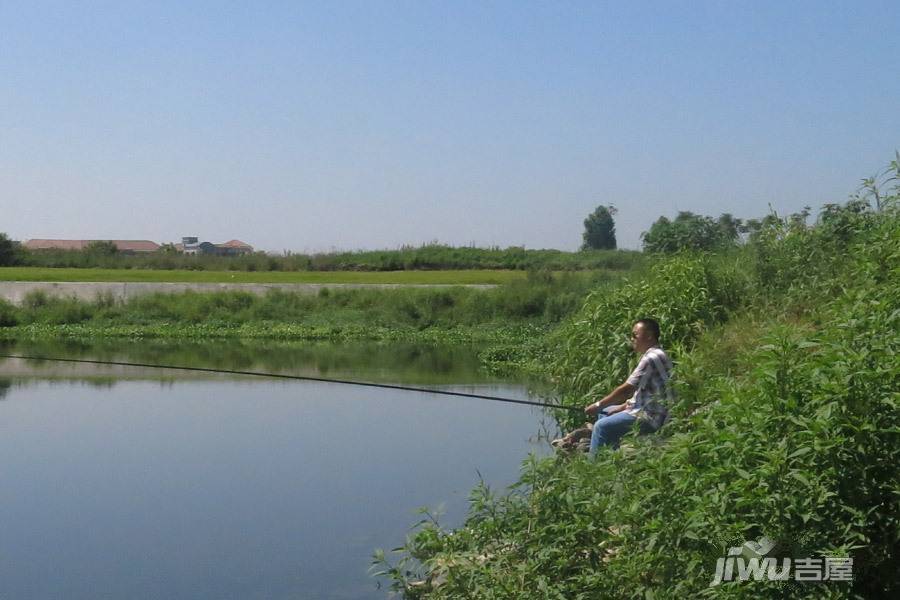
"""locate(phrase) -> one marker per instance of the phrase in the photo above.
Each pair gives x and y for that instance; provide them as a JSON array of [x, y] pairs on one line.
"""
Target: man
[[636, 397], [638, 394]]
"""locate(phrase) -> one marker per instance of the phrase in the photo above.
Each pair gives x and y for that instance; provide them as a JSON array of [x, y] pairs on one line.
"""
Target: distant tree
[[168, 248], [842, 219], [692, 232], [101, 248], [729, 227], [798, 219], [600, 229], [9, 251], [757, 227]]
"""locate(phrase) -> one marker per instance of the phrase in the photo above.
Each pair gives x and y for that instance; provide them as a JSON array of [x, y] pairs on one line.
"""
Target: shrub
[[10, 252], [35, 299], [684, 293], [794, 438], [691, 232], [8, 314]]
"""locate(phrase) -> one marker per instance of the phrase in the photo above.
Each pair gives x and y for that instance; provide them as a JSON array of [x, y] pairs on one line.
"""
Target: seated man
[[637, 396], [641, 388]]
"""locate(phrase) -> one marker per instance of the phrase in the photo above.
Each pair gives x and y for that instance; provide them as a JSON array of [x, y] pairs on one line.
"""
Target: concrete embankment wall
[[15, 291]]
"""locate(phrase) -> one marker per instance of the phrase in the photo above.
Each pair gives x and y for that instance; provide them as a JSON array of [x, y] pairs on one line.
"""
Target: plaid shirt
[[649, 377]]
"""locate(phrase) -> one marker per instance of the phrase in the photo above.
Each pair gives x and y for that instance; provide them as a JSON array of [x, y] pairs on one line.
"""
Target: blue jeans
[[609, 429]]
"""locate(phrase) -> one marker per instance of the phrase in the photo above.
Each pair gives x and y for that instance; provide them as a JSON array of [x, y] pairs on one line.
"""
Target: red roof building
[[130, 246], [236, 245]]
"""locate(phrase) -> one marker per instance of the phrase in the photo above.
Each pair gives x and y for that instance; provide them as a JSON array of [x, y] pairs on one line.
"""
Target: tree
[[729, 227], [9, 251], [691, 232], [600, 229]]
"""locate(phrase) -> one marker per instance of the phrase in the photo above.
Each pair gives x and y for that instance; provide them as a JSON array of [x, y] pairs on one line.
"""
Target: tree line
[[689, 231], [686, 232]]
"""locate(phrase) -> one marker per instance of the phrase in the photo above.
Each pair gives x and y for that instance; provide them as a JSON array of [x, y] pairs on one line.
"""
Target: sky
[[358, 125]]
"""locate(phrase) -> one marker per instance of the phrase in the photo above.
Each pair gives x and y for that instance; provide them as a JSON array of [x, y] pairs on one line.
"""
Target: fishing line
[[299, 378]]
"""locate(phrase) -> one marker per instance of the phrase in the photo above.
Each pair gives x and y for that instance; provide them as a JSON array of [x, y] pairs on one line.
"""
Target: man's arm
[[617, 396]]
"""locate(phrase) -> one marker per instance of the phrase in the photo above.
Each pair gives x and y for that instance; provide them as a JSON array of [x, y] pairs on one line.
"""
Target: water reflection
[[370, 361], [232, 489], [181, 488]]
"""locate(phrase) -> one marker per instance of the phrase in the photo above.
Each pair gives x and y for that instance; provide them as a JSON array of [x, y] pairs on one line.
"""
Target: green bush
[[40, 307], [783, 428], [544, 298], [425, 257], [690, 232], [686, 294], [8, 314], [35, 299], [10, 251]]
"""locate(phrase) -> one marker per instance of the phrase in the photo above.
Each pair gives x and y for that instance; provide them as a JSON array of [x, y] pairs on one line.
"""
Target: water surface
[[149, 487]]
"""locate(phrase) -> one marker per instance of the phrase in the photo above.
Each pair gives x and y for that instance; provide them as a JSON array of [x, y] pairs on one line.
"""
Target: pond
[[125, 482]]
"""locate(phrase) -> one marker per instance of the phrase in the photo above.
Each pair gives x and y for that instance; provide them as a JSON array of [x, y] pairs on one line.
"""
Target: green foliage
[[807, 262], [459, 277], [403, 361], [8, 314], [101, 248], [10, 252], [686, 294], [691, 232], [882, 188], [426, 257], [789, 453], [786, 426], [39, 307], [600, 229], [534, 303], [35, 299]]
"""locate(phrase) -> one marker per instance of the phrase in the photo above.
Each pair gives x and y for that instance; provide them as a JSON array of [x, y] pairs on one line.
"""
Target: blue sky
[[374, 124]]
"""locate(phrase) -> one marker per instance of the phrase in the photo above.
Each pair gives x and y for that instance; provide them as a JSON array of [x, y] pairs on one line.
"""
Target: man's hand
[[614, 409], [617, 397]]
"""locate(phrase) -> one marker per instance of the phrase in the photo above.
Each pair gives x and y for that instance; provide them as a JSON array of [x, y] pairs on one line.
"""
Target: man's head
[[644, 335]]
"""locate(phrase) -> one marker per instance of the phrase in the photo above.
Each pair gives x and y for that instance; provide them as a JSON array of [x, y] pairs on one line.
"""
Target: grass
[[483, 276], [784, 425], [429, 257], [538, 299]]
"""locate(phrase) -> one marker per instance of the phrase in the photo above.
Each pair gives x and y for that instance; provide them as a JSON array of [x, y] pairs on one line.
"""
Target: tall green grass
[[459, 277], [408, 258], [786, 425], [540, 297], [686, 294]]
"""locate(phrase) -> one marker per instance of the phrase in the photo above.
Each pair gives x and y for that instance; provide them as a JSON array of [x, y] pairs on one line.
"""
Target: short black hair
[[651, 325]]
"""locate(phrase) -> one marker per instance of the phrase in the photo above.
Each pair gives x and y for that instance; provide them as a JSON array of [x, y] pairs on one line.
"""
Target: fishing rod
[[388, 386]]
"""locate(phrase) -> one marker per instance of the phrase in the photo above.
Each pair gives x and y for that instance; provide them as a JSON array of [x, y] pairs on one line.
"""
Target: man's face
[[641, 339]]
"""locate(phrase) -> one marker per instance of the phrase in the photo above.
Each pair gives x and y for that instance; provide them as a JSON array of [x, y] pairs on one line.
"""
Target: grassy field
[[429, 257], [397, 312], [185, 276]]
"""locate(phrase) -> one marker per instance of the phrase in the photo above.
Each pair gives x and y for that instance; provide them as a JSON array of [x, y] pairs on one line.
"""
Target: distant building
[[124, 246], [192, 245], [188, 245], [232, 247]]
